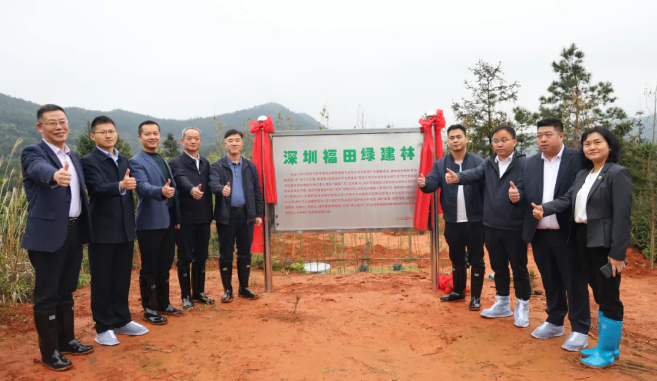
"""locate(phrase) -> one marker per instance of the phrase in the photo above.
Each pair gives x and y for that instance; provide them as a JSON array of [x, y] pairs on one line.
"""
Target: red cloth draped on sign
[[269, 187], [424, 201]]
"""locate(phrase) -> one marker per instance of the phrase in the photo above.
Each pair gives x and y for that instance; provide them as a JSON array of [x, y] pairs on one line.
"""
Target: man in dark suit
[[58, 224], [463, 212], [236, 209], [110, 188], [549, 175], [192, 174], [158, 217]]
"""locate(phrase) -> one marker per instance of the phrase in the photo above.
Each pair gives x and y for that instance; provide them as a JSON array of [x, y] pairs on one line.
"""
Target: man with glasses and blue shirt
[[110, 187]]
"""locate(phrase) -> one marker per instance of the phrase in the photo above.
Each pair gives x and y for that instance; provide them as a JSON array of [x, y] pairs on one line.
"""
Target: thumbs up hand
[[451, 177], [226, 191], [196, 192], [167, 190], [62, 177], [538, 211], [514, 194], [421, 181], [128, 182]]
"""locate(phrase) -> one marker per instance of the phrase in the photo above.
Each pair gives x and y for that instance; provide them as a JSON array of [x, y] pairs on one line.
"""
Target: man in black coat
[[463, 212], [110, 187], [237, 208], [192, 174], [548, 175], [58, 224]]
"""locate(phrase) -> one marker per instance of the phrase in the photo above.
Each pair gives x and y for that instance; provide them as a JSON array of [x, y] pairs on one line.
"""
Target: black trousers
[[564, 280], [111, 267], [193, 241], [462, 235], [236, 233], [507, 247], [57, 272], [606, 292], [158, 248]]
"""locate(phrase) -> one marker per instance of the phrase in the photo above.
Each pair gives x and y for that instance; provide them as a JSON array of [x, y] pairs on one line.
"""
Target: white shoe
[[107, 338], [132, 329], [501, 308], [576, 342], [548, 331], [521, 314]]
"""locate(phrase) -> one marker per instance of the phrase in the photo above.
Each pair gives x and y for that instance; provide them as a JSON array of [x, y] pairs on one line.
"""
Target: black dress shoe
[[171, 311], [187, 302], [74, 347], [202, 298], [228, 296], [475, 303], [453, 297], [153, 317], [247, 294]]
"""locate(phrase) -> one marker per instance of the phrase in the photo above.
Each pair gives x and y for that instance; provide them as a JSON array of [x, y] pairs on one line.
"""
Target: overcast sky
[[394, 59]]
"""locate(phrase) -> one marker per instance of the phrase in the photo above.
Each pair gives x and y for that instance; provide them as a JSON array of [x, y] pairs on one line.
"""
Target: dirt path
[[346, 327]]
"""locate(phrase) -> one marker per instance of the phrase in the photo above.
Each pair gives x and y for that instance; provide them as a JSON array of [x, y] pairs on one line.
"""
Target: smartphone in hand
[[606, 270]]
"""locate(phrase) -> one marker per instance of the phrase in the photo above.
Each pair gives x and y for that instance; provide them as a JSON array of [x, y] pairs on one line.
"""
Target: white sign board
[[346, 180]]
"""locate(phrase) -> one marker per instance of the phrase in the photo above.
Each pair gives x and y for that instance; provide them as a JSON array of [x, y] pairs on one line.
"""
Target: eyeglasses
[[54, 123], [104, 133], [503, 141]]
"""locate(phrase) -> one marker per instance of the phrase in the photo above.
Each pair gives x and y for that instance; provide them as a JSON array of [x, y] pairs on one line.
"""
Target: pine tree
[[481, 114], [170, 147], [525, 126]]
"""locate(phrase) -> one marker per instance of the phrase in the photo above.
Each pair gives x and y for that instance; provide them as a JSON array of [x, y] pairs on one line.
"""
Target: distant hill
[[18, 118]]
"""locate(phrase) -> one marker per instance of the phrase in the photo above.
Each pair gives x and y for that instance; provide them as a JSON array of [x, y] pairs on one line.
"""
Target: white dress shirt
[[461, 215], [550, 172], [582, 198], [503, 164], [65, 156], [197, 159]]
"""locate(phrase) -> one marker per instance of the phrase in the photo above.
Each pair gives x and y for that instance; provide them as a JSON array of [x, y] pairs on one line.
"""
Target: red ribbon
[[269, 187], [424, 201]]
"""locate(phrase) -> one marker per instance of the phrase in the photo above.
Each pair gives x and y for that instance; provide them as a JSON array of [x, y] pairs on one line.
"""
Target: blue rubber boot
[[608, 341], [589, 351]]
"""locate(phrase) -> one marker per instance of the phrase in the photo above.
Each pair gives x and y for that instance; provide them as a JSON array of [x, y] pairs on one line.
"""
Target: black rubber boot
[[67, 343], [46, 326], [149, 301], [184, 279], [243, 272], [163, 297], [476, 284], [459, 276], [226, 271], [198, 278]]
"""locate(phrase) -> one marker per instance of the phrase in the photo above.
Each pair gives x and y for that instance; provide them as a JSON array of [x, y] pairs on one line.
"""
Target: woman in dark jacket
[[601, 199]]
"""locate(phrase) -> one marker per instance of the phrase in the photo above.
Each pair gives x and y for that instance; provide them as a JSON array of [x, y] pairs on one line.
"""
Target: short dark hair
[[612, 142], [148, 122], [233, 131], [101, 120], [47, 108], [456, 127], [550, 122], [504, 127]]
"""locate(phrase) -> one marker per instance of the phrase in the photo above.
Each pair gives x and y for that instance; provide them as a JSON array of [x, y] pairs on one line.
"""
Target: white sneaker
[[132, 329], [521, 314], [107, 338], [501, 308], [576, 342], [548, 331]]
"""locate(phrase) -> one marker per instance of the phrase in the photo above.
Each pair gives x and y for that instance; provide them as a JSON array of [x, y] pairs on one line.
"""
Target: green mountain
[[18, 118]]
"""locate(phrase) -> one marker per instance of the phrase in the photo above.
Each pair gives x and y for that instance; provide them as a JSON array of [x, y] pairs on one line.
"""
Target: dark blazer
[[499, 211], [569, 166], [112, 214], [152, 210], [187, 176], [48, 204], [474, 193], [220, 174], [608, 208]]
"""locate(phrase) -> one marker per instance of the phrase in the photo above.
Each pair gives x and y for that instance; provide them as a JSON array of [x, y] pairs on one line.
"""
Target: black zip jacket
[[220, 174]]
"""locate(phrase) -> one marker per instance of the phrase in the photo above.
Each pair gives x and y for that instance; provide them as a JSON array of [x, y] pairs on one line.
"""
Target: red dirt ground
[[347, 327]]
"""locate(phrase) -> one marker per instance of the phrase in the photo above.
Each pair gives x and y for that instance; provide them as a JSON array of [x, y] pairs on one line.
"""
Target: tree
[[84, 143], [481, 114], [525, 126], [578, 102], [170, 147]]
